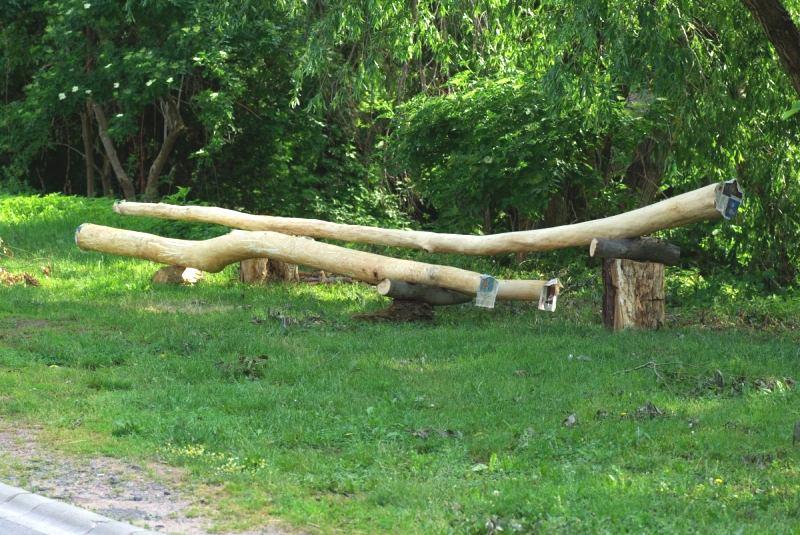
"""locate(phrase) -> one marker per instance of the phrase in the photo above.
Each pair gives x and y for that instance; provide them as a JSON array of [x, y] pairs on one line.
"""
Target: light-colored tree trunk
[[214, 254], [697, 205]]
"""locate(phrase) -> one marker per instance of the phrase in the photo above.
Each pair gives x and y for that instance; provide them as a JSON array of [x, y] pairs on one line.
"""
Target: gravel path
[[144, 496]]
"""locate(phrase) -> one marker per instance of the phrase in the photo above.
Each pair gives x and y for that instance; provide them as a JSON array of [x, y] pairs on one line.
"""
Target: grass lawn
[[297, 411]]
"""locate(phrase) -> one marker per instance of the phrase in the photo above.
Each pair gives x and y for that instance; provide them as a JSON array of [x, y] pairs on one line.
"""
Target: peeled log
[[697, 205], [431, 295], [633, 294], [641, 250], [214, 254]]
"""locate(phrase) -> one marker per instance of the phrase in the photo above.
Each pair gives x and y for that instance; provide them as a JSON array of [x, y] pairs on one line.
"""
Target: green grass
[[332, 424]]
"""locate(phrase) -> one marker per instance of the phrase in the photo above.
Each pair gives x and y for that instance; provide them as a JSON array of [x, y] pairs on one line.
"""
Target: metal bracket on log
[[729, 198]]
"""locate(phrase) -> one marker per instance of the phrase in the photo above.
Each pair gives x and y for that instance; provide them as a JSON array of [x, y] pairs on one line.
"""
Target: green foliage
[[458, 115], [493, 148]]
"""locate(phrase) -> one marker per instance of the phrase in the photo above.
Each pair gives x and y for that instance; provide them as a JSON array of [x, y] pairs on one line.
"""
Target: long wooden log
[[697, 205], [641, 250], [432, 295], [214, 254]]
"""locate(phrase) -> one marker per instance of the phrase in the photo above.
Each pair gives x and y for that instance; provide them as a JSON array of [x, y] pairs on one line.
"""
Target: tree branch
[[111, 153]]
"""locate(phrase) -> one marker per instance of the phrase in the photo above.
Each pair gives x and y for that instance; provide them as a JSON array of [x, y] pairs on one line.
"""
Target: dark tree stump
[[633, 294]]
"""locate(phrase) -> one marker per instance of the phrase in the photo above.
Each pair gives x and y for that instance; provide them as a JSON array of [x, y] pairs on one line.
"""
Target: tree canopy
[[477, 115]]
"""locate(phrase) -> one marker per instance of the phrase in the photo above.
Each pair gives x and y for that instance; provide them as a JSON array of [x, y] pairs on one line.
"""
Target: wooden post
[[633, 294], [264, 270]]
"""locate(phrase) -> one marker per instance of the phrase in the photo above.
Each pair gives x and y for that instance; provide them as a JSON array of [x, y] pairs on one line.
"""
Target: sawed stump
[[264, 270], [633, 281]]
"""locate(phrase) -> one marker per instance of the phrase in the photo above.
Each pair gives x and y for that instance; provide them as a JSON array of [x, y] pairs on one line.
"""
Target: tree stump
[[633, 294], [177, 275], [264, 270]]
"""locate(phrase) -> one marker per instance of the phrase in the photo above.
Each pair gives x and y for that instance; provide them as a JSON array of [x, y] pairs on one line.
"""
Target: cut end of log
[[384, 286], [592, 247], [78, 231], [116, 206]]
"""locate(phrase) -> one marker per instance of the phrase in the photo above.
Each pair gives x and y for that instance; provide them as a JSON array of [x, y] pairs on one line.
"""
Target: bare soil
[[154, 496]]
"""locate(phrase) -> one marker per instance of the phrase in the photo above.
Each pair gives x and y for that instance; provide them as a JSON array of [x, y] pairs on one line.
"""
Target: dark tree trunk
[[105, 180], [781, 32], [433, 295], [646, 171], [173, 128], [88, 150], [111, 153], [641, 250]]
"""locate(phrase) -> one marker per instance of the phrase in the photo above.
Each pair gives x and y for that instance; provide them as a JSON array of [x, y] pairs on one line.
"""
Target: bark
[[646, 171], [214, 254], [173, 129], [88, 150], [111, 153], [431, 295], [633, 294], [105, 181], [781, 32], [697, 205], [641, 250]]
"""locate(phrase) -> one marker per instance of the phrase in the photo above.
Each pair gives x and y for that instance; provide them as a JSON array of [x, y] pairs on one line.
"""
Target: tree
[[782, 32]]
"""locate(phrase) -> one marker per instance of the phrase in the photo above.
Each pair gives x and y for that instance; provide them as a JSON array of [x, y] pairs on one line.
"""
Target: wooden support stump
[[633, 280], [264, 270], [432, 295], [177, 275], [633, 294], [214, 254]]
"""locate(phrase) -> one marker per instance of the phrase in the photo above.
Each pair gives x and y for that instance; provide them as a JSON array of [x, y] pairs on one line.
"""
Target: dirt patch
[[149, 496]]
